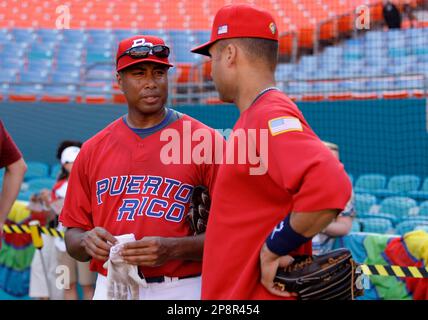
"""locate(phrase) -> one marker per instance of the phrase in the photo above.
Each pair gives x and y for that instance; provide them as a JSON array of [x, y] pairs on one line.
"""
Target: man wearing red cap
[[121, 189], [258, 222]]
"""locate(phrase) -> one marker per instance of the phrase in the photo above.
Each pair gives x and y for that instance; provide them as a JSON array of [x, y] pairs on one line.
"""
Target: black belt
[[161, 279]]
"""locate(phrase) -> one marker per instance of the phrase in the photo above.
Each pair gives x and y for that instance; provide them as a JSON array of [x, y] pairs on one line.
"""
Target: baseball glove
[[325, 277], [199, 209]]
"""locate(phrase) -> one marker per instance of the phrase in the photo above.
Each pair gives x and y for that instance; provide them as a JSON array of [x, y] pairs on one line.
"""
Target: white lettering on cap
[[140, 42]]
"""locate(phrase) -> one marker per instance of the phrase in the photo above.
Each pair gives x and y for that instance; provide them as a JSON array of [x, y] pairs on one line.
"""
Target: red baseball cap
[[240, 21], [126, 61]]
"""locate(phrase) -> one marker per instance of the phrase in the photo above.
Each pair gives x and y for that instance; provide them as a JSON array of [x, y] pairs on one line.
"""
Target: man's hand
[[269, 264], [97, 243], [149, 251]]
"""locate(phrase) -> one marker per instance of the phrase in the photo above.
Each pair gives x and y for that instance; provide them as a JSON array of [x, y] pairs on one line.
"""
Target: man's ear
[[231, 52], [119, 80]]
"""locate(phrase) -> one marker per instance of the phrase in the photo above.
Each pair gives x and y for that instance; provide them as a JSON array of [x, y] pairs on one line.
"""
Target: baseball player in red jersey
[[121, 183], [259, 221]]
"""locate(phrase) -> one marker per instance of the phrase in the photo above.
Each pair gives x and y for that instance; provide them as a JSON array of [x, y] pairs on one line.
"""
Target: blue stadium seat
[[48, 35], [399, 185], [36, 170], [33, 89], [66, 78], [367, 183], [23, 35], [351, 177], [376, 225], [34, 76], [356, 226], [74, 35], [24, 195], [399, 207], [421, 194], [299, 87], [407, 226], [363, 203], [423, 209], [37, 184], [55, 170], [353, 53], [284, 70], [60, 90], [8, 75]]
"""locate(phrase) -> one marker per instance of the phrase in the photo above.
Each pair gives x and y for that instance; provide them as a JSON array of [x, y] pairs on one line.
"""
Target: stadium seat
[[24, 195], [367, 183], [423, 209], [356, 226], [36, 170], [37, 184], [399, 185], [376, 225], [407, 226], [364, 203], [397, 206], [351, 178], [421, 194]]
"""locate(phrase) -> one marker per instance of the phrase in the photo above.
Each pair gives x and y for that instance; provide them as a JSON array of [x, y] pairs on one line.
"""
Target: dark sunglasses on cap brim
[[141, 52]]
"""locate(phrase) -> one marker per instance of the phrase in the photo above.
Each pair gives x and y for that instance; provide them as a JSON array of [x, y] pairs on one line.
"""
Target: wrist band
[[284, 239]]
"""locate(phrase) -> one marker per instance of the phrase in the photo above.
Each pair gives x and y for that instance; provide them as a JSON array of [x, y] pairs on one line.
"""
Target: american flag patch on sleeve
[[284, 124]]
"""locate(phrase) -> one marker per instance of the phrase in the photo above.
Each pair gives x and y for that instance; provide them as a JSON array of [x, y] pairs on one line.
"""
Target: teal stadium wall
[[385, 136]]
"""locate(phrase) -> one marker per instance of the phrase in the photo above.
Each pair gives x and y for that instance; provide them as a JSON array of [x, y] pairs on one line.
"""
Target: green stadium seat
[[367, 183], [363, 203], [421, 194], [376, 225], [423, 209], [399, 185], [407, 226], [36, 170], [397, 206]]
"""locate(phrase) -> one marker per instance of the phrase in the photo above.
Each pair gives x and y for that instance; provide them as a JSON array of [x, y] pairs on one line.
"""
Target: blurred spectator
[[392, 15], [341, 226], [67, 153], [50, 203], [15, 168], [408, 16]]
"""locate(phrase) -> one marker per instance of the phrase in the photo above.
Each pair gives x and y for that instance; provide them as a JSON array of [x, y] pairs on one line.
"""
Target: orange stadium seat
[[312, 97], [22, 97], [55, 99], [340, 96], [402, 94]]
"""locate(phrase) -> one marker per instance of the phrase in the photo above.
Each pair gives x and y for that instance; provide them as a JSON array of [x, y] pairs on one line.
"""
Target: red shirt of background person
[[302, 177], [10, 159]]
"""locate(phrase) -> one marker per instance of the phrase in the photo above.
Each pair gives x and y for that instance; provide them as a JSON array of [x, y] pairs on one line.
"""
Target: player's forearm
[[187, 248], [309, 224], [12, 180], [73, 241]]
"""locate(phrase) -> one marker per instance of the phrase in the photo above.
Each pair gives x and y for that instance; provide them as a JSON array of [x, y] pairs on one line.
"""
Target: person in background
[[11, 159], [392, 15], [340, 226], [54, 201]]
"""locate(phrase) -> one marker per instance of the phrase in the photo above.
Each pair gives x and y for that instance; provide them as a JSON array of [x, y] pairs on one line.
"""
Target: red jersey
[[9, 152], [301, 175], [119, 182]]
